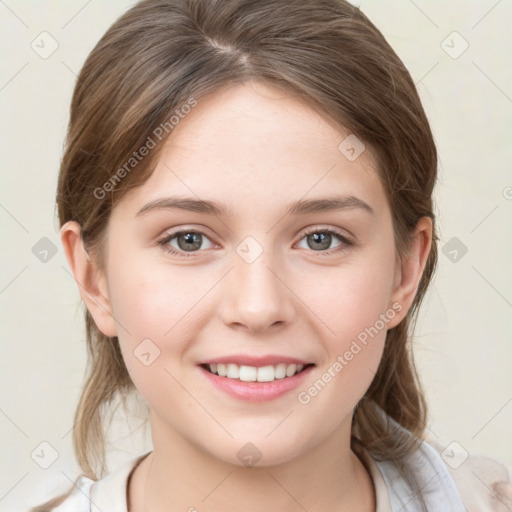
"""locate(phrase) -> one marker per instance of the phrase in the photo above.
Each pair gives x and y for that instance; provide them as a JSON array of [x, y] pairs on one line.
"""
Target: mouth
[[245, 373], [256, 378]]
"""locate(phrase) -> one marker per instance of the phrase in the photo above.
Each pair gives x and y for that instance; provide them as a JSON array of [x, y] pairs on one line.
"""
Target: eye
[[187, 241], [320, 239]]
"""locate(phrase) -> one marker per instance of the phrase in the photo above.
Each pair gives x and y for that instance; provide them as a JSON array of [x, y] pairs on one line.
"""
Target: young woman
[[245, 202]]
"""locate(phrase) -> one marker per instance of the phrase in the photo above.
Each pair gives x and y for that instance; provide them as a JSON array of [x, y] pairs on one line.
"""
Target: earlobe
[[90, 280], [409, 271]]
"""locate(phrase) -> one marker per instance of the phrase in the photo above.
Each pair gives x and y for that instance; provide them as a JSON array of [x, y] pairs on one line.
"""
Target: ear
[[408, 272], [91, 282]]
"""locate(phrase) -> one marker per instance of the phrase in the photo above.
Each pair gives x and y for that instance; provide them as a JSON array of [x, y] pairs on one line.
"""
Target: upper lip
[[257, 361]]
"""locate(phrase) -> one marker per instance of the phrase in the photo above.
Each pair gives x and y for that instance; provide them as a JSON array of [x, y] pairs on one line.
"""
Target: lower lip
[[256, 391]]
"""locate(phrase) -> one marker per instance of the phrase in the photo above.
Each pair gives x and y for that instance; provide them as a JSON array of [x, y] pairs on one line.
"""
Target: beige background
[[463, 343]]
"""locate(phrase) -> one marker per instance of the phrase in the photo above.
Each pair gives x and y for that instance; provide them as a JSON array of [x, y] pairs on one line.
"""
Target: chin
[[258, 451]]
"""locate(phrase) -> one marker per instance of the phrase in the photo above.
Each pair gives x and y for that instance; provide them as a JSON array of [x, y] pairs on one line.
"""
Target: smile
[[245, 373], [256, 379]]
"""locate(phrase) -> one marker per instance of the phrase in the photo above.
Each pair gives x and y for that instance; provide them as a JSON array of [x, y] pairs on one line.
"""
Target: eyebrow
[[300, 207]]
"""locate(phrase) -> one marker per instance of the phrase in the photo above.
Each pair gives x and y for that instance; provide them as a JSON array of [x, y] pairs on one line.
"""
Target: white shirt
[[479, 484]]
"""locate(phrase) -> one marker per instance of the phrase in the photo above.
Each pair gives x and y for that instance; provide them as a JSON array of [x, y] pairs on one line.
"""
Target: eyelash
[[346, 243]]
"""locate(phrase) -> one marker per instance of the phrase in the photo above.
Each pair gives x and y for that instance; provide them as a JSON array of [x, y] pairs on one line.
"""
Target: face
[[270, 282]]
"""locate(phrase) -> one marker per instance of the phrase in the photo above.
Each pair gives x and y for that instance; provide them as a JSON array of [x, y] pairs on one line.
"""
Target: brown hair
[[162, 53]]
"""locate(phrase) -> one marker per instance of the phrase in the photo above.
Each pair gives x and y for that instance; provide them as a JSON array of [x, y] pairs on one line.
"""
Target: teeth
[[266, 374], [280, 371], [291, 370], [254, 374], [233, 371], [247, 373]]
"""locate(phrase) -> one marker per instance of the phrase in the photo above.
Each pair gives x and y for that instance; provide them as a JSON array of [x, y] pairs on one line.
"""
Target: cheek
[[352, 298], [352, 304], [150, 300], [146, 308], [357, 314], [160, 307]]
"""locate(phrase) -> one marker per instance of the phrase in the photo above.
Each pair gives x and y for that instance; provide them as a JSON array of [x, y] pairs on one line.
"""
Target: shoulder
[[484, 484], [446, 478], [109, 493], [78, 499]]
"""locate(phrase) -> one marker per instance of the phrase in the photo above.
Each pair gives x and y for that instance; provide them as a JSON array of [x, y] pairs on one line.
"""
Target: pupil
[[324, 239], [189, 238]]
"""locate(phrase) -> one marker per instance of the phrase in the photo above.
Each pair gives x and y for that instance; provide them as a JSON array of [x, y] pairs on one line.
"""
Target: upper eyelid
[[336, 231], [170, 234]]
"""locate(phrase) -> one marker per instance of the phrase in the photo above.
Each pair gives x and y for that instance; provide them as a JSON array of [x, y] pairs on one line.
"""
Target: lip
[[257, 361], [256, 391]]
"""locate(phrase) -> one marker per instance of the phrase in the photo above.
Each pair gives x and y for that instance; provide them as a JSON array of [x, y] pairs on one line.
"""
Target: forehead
[[253, 146]]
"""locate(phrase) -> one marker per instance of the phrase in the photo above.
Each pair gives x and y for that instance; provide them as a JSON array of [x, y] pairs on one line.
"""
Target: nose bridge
[[257, 296]]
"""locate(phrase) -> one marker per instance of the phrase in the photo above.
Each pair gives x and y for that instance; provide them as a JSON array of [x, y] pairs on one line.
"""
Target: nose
[[256, 296]]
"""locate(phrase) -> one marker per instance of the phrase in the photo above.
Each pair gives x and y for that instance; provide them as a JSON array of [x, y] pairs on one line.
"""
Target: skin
[[255, 149]]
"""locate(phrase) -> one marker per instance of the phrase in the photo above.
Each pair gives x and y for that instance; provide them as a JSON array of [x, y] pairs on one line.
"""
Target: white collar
[[110, 493]]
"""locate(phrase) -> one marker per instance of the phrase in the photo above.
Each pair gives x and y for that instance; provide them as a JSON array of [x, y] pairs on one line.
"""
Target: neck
[[179, 476]]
